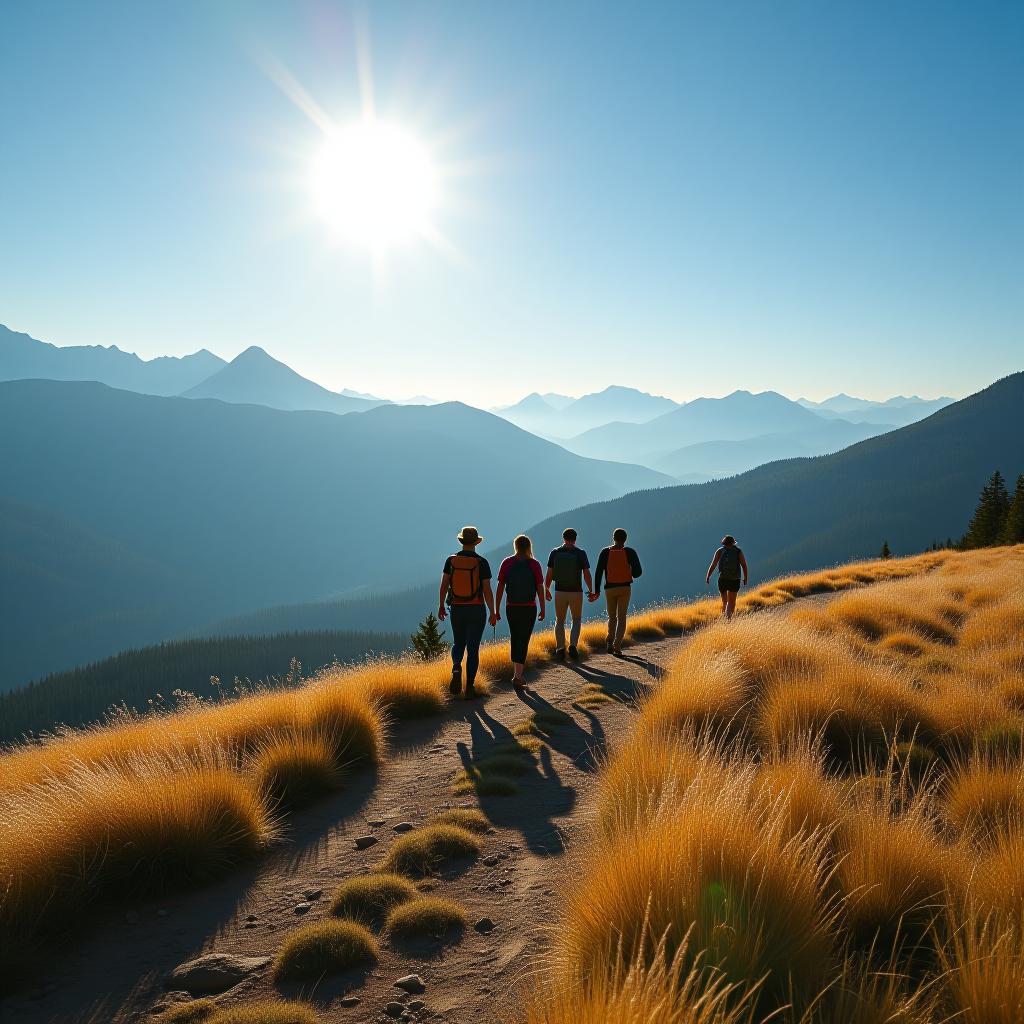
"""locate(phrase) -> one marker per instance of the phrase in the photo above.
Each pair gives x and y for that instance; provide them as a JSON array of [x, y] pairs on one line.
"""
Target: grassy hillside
[[173, 797], [816, 819], [136, 679], [238, 506]]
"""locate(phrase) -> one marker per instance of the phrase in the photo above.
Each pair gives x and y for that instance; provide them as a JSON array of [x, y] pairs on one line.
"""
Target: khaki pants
[[618, 603], [564, 603]]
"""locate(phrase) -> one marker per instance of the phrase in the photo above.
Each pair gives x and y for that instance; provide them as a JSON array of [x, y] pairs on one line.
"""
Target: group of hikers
[[467, 598]]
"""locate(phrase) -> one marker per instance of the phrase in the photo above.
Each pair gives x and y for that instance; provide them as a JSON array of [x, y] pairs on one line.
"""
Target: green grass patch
[[432, 917], [370, 898], [422, 851], [326, 947], [469, 818]]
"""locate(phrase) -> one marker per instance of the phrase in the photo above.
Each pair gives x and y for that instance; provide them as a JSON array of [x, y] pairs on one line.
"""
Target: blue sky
[[684, 198]]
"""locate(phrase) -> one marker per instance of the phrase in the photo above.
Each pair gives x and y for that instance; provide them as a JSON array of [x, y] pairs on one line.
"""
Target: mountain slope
[[710, 460], [22, 357], [255, 378], [241, 506], [736, 417], [910, 487]]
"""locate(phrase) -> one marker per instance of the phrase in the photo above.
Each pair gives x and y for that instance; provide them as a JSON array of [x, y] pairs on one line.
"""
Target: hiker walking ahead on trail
[[620, 566], [568, 566], [729, 559], [466, 588], [521, 580]]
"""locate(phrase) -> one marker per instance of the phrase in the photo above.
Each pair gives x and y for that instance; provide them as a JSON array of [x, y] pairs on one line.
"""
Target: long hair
[[522, 545]]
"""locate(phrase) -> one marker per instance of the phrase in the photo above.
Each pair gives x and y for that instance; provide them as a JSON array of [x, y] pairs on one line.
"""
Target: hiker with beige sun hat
[[465, 590]]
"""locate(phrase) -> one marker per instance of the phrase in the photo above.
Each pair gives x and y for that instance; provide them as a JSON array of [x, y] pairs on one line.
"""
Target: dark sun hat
[[469, 535]]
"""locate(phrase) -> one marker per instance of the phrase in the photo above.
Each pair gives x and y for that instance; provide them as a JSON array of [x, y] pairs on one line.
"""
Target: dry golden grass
[[428, 917], [265, 1011], [149, 801], [425, 849], [322, 948], [827, 802], [370, 898]]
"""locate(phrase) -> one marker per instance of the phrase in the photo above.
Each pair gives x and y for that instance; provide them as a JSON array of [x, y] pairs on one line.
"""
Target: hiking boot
[[574, 652], [617, 651], [611, 647], [455, 687], [519, 684], [560, 654], [471, 691]]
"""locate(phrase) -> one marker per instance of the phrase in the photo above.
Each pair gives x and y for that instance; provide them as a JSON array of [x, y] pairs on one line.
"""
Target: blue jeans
[[468, 621]]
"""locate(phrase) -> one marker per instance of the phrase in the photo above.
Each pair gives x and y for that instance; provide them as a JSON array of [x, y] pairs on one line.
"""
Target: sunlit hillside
[[143, 804], [817, 817]]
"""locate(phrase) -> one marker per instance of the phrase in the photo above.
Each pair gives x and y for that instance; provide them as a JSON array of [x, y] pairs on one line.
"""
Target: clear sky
[[686, 198]]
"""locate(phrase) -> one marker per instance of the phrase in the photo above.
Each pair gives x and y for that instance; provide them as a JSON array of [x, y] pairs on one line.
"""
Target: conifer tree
[[885, 553], [428, 640], [1013, 528], [989, 519]]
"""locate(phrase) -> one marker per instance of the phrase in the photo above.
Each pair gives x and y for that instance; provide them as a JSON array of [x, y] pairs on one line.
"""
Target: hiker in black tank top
[[730, 560], [521, 581]]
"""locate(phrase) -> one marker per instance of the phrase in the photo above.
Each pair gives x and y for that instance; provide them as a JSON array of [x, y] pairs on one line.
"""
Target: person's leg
[[476, 619], [612, 603], [724, 596], [561, 607], [621, 608], [731, 610], [576, 604], [458, 636], [520, 625]]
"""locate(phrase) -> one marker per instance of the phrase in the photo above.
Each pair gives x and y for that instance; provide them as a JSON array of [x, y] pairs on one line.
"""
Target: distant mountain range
[[910, 486], [898, 411], [557, 416], [23, 358], [129, 518]]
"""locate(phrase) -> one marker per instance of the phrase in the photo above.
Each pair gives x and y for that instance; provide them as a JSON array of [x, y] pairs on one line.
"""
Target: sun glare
[[375, 185]]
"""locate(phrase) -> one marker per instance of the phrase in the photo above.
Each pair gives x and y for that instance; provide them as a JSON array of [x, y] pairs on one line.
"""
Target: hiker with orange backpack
[[465, 589], [620, 566], [730, 560], [521, 580]]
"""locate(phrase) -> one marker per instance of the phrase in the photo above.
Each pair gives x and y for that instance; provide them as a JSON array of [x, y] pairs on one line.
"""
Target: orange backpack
[[619, 571], [464, 582]]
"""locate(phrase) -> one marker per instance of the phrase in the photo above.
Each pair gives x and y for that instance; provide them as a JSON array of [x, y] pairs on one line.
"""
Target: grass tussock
[[424, 850], [428, 917], [267, 1011], [323, 948], [821, 813], [469, 818], [370, 898]]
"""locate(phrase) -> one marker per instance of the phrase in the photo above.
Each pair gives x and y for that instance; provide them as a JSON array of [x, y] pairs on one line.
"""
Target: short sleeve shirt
[[582, 562]]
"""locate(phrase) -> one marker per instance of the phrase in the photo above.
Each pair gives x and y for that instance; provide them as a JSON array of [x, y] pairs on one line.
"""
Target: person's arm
[[547, 582], [634, 564], [590, 584], [602, 565], [743, 562], [445, 581], [497, 600], [489, 598], [714, 562]]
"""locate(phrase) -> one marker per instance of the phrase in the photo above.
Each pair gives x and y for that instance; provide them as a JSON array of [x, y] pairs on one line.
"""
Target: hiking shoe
[[455, 687], [617, 651], [471, 691], [560, 654], [574, 652], [519, 684], [611, 647]]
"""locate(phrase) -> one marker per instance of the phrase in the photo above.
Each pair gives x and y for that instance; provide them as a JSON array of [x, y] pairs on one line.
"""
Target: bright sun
[[375, 185]]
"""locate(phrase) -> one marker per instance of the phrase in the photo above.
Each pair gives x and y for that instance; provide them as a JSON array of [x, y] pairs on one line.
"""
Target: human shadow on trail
[[654, 671], [614, 685], [535, 793], [563, 733]]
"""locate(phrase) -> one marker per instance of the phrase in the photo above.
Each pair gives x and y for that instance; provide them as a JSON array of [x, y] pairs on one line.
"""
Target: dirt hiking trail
[[116, 969]]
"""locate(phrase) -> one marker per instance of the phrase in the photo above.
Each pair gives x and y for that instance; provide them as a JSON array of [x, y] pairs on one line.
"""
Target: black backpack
[[520, 582], [729, 563]]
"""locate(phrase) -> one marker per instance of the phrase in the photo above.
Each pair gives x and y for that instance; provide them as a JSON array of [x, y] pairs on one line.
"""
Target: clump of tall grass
[[428, 917], [322, 948], [370, 898], [424, 850]]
